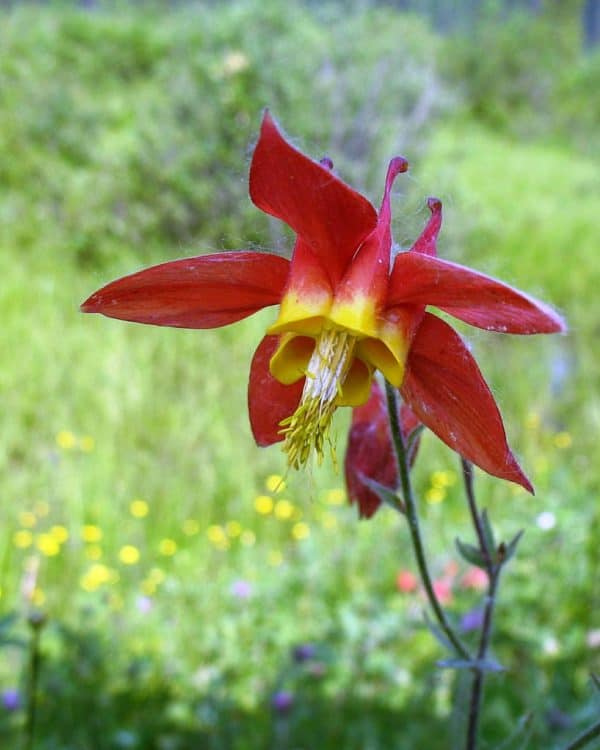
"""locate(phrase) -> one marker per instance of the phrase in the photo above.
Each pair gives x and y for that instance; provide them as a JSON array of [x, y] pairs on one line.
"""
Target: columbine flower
[[370, 455], [345, 311]]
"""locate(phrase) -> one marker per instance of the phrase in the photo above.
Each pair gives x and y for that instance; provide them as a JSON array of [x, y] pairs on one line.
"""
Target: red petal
[[469, 295], [268, 400], [327, 213], [203, 292], [426, 243], [369, 453], [368, 275], [445, 389]]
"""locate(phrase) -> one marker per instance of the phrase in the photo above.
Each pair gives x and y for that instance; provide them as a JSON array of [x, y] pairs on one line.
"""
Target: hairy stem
[[413, 522]]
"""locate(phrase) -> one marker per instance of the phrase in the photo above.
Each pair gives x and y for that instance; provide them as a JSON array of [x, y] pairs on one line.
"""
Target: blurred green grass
[[123, 143]]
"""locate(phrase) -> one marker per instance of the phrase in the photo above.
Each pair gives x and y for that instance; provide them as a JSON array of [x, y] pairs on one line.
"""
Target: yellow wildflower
[[139, 508], [65, 440], [91, 533], [275, 483], [129, 555], [167, 547], [47, 545], [23, 539], [263, 504], [300, 530]]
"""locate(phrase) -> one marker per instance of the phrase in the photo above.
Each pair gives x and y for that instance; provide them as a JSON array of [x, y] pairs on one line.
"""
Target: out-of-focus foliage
[[528, 77], [130, 128]]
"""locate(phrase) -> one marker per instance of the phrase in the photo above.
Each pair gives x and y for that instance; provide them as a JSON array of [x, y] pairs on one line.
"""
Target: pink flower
[[406, 582], [475, 578]]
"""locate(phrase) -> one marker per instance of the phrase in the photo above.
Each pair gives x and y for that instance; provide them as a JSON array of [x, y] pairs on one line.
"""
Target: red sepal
[[370, 453], [445, 389], [469, 295], [204, 292], [426, 242], [268, 400], [332, 217], [368, 275]]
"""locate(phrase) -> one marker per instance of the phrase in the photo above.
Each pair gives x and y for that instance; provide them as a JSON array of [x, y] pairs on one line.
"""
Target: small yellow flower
[[216, 534], [263, 504], [129, 555], [91, 533], [442, 479], [93, 552], [65, 440], [87, 444], [248, 538], [335, 497], [233, 529], [167, 547], [95, 576], [563, 440], [300, 530], [190, 527], [435, 495], [59, 533], [284, 509], [27, 519], [47, 545], [139, 508], [275, 558], [532, 421], [329, 521], [23, 539], [38, 597], [274, 483]]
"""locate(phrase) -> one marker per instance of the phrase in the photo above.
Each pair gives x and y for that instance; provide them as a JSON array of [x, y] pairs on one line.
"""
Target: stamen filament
[[308, 427]]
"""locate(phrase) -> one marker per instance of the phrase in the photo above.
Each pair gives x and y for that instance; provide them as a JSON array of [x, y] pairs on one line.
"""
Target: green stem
[[413, 522], [584, 738], [493, 570], [32, 684]]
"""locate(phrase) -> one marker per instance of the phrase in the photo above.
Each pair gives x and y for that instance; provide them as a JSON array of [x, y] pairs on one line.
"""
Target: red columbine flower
[[344, 312], [370, 456]]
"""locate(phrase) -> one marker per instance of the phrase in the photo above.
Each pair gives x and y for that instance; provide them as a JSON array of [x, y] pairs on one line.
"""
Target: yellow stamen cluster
[[308, 427]]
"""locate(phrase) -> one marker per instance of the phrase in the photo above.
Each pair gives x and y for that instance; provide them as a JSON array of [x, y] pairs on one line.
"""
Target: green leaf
[[506, 551], [470, 553], [385, 494], [477, 665]]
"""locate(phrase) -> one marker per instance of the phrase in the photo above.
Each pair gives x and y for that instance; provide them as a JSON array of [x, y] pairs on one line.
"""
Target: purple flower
[[282, 702], [304, 652], [11, 699], [241, 589], [472, 620], [144, 604]]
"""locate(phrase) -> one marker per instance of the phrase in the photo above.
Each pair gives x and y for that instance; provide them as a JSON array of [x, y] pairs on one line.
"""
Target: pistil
[[307, 429]]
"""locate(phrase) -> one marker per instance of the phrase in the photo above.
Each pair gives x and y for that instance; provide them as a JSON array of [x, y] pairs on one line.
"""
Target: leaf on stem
[[476, 665], [471, 554], [385, 494], [488, 534], [506, 551]]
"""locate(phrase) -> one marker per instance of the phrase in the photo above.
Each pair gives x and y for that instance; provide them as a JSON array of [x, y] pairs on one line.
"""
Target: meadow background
[[191, 599]]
